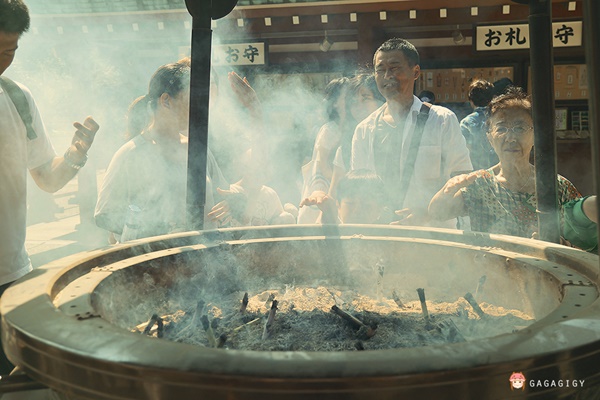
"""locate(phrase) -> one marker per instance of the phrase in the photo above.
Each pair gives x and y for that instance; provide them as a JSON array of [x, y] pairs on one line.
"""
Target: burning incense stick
[[244, 303], [469, 297], [222, 340], [397, 299], [210, 334], [155, 319], [269, 301], [336, 298], [363, 330], [270, 319], [198, 313], [421, 293], [239, 328], [150, 324], [159, 327], [380, 266]]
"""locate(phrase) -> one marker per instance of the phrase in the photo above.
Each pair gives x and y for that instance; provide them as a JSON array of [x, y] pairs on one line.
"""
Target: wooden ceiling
[[368, 23], [337, 15], [294, 30]]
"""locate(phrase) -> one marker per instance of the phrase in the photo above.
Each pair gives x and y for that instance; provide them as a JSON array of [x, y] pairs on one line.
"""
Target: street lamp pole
[[202, 11], [542, 91]]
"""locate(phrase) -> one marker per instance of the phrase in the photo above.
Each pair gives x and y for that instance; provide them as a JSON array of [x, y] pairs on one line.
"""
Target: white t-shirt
[[442, 151], [328, 138], [142, 174], [17, 155], [338, 160]]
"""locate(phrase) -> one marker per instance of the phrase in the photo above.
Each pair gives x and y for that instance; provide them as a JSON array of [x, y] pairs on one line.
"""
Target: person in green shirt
[[580, 223]]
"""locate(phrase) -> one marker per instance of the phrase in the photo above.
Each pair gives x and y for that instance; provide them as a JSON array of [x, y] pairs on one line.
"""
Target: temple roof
[[103, 6]]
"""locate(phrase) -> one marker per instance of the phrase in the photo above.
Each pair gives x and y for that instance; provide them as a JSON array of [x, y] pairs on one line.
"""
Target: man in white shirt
[[25, 148], [381, 142]]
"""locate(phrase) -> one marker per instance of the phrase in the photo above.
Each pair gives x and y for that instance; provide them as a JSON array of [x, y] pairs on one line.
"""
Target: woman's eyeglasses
[[517, 130]]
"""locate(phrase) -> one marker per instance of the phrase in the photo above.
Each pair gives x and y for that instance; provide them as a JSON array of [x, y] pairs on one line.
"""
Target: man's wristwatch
[[71, 163]]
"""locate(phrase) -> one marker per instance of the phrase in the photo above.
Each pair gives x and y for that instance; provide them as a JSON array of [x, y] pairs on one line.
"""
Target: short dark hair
[[14, 16], [169, 78], [427, 96], [403, 45], [481, 92], [502, 85]]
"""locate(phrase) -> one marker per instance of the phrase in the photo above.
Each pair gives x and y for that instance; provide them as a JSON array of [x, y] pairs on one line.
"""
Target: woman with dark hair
[[147, 175], [318, 172], [362, 98], [501, 199]]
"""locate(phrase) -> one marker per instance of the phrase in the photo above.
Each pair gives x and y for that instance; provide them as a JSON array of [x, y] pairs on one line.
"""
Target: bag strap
[[20, 101], [415, 142]]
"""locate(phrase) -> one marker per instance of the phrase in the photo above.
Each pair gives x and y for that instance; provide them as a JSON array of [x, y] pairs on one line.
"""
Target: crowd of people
[[409, 161]]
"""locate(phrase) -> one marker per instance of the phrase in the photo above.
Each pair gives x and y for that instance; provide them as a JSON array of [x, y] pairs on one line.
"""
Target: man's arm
[[55, 174]]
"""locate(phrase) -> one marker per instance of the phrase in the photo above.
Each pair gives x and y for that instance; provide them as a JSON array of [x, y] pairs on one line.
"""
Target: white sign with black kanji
[[516, 36], [239, 54]]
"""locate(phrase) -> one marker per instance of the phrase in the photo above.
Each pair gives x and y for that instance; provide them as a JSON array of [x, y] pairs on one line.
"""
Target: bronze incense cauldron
[[66, 323]]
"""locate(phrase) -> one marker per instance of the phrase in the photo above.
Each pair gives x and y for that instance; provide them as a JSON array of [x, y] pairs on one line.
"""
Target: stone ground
[[59, 226]]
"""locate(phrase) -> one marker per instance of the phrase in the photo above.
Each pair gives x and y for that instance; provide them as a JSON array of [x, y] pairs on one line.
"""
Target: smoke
[[220, 275], [291, 106], [98, 69]]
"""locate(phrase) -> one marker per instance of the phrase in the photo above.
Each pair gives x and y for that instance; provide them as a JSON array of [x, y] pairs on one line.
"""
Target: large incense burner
[[77, 324]]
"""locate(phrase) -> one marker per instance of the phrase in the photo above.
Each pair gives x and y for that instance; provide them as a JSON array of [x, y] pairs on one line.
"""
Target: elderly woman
[[501, 199]]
